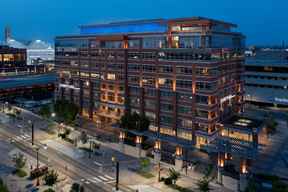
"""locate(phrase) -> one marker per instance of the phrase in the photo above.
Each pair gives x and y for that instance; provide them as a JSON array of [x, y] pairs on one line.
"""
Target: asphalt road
[[59, 161]]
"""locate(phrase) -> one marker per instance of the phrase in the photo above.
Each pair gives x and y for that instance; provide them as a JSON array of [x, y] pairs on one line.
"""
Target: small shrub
[[49, 190], [168, 181], [51, 178], [3, 187], [20, 173], [203, 185], [20, 161]]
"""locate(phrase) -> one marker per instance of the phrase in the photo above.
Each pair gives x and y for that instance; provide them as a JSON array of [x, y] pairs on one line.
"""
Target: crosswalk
[[22, 137], [98, 179]]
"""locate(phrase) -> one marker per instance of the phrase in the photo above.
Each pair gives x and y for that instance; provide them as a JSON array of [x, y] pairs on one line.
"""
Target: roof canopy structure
[[146, 26]]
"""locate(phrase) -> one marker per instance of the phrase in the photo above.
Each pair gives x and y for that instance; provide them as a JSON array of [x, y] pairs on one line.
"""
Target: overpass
[[12, 85]]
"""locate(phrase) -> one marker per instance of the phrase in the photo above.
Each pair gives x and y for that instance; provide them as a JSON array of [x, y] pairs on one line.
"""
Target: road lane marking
[[109, 177], [96, 179], [113, 181], [92, 181], [103, 178], [98, 164]]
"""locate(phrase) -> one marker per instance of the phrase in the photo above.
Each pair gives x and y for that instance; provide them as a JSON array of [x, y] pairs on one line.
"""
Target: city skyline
[[63, 18]]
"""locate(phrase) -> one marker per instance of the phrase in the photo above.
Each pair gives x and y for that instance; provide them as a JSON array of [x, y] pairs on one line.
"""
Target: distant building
[[266, 78], [12, 58], [38, 52]]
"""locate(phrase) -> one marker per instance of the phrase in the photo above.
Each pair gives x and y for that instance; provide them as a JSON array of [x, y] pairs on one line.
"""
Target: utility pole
[[117, 176], [114, 160], [90, 149], [32, 127], [37, 165], [159, 172]]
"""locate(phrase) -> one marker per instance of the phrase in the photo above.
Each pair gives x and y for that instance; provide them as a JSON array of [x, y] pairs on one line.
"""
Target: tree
[[203, 184], [271, 125], [144, 163], [287, 119], [3, 187], [45, 111], [76, 187], [51, 178], [124, 121], [66, 111], [20, 161], [174, 175], [144, 123], [134, 122], [84, 137], [252, 186]]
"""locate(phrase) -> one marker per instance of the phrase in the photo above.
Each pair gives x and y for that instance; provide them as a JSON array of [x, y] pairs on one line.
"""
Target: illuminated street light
[[114, 160]]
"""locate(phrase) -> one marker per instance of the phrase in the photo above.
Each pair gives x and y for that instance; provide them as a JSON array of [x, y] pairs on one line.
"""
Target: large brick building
[[183, 74]]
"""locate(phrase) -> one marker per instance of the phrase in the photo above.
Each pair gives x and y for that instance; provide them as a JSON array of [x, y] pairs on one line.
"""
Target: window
[[149, 68], [134, 90], [151, 92], [150, 104], [202, 113], [135, 101], [206, 86], [149, 81], [164, 82], [184, 84], [184, 70], [111, 76], [166, 107], [134, 79], [201, 99], [184, 96], [166, 94], [184, 134], [166, 120], [165, 69], [184, 109]]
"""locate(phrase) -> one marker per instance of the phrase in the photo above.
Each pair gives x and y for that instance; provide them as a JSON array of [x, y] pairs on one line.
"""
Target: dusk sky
[[262, 21]]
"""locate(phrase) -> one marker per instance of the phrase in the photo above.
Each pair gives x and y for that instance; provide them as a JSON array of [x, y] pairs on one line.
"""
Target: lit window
[[161, 81], [111, 76]]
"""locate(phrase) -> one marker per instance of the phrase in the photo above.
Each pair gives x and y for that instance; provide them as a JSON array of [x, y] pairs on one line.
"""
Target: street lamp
[[32, 131], [53, 115], [114, 160], [37, 164], [90, 147], [157, 149]]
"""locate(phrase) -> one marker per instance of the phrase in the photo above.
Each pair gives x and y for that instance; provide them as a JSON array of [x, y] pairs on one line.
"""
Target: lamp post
[[90, 147], [114, 160], [37, 165], [53, 115], [32, 131], [157, 156]]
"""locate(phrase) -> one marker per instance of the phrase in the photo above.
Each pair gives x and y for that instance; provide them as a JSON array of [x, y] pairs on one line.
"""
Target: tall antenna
[[7, 33]]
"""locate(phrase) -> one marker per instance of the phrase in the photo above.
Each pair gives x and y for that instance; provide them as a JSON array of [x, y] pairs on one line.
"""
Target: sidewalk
[[103, 163]]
